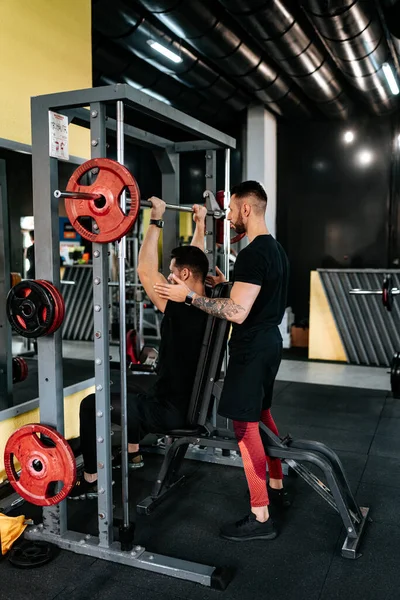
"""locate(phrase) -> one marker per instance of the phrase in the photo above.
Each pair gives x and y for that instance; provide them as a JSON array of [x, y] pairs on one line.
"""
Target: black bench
[[201, 431]]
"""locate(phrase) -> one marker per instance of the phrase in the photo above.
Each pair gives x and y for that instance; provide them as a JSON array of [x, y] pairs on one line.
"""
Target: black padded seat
[[185, 432]]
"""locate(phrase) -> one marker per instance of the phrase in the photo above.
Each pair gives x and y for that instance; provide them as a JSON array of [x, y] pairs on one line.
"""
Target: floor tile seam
[[377, 426], [329, 567]]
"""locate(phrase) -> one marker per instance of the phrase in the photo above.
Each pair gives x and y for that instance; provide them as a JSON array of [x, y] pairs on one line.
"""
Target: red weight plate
[[50, 289], [111, 180], [24, 366], [220, 223], [21, 370], [59, 304], [41, 465], [16, 369], [56, 295]]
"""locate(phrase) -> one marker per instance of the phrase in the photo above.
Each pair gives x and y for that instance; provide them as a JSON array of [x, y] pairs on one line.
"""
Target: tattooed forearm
[[225, 308]]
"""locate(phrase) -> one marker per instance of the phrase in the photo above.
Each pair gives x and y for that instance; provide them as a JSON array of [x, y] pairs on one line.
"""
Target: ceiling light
[[387, 69], [365, 157], [164, 51], [398, 140], [348, 137]]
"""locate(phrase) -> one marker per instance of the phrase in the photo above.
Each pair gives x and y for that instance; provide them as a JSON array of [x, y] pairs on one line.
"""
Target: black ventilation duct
[[273, 25], [222, 43], [126, 27], [353, 35], [111, 63]]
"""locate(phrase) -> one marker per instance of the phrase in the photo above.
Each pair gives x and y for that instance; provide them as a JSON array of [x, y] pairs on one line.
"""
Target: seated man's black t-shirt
[[263, 262], [182, 333]]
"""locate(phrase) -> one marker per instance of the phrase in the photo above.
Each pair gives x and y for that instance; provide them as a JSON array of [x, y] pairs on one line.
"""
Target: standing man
[[256, 306]]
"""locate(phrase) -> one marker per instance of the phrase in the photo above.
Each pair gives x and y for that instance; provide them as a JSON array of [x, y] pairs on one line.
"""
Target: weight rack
[[45, 182]]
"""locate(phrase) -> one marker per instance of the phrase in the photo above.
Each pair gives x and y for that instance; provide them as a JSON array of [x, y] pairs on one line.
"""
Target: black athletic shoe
[[279, 498], [83, 490], [135, 461], [249, 529]]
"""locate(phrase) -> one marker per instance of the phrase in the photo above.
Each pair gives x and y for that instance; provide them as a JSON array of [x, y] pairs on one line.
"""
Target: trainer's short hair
[[250, 188]]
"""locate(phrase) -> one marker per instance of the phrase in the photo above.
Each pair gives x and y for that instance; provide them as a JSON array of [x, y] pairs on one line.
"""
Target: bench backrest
[[210, 362]]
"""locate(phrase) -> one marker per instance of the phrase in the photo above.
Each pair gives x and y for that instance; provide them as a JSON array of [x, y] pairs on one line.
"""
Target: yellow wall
[[45, 47], [324, 339], [71, 418]]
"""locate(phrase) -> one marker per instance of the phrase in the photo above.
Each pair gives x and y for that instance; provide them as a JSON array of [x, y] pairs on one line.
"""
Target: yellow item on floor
[[10, 530]]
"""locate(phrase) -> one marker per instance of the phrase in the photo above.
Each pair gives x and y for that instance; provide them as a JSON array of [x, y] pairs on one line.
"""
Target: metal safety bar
[[217, 214]]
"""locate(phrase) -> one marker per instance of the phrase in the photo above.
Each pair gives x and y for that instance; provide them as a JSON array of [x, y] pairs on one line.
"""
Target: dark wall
[[20, 202], [333, 211]]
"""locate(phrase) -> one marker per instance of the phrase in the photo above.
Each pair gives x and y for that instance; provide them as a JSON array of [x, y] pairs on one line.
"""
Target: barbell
[[100, 201], [217, 214], [387, 292]]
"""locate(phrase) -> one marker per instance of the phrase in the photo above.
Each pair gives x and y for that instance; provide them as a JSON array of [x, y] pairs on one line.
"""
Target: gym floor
[[303, 563]]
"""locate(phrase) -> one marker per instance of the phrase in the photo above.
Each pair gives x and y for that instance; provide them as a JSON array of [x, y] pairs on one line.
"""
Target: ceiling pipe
[[278, 32], [127, 28], [353, 36], [218, 38]]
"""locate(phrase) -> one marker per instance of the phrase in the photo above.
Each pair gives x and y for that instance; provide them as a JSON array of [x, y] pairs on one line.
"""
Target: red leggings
[[254, 458]]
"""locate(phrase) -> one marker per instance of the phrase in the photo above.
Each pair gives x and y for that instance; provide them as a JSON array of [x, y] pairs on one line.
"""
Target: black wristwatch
[[189, 298], [157, 222]]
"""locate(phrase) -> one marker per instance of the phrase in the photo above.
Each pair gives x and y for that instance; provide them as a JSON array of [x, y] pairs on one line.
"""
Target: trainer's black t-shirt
[[182, 333], [263, 262]]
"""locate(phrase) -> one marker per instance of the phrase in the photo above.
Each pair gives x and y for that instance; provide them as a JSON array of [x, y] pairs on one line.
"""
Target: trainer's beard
[[239, 226]]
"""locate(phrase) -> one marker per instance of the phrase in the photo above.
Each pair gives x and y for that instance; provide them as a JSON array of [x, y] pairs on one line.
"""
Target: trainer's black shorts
[[249, 382]]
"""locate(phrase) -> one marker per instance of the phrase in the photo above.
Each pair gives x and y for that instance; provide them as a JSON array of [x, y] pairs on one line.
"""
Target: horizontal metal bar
[[110, 283], [27, 149], [357, 292], [217, 214], [138, 558], [379, 271], [140, 102], [132, 134], [21, 409], [77, 195], [195, 146]]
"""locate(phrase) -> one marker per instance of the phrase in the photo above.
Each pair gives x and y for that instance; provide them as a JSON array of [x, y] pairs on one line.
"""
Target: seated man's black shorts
[[146, 413], [249, 382]]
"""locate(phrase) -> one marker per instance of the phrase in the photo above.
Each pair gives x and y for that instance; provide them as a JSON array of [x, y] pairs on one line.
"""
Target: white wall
[[260, 156]]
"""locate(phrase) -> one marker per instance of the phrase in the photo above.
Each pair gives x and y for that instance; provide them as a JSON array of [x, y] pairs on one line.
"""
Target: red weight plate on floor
[[112, 179], [41, 464]]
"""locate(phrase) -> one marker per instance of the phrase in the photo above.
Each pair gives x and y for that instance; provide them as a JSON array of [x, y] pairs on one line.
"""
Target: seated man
[[164, 406]]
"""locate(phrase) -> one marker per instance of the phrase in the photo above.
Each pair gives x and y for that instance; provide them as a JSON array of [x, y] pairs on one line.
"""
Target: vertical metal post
[[122, 329], [169, 167], [5, 329], [227, 229], [102, 351], [47, 266], [227, 239], [211, 184]]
